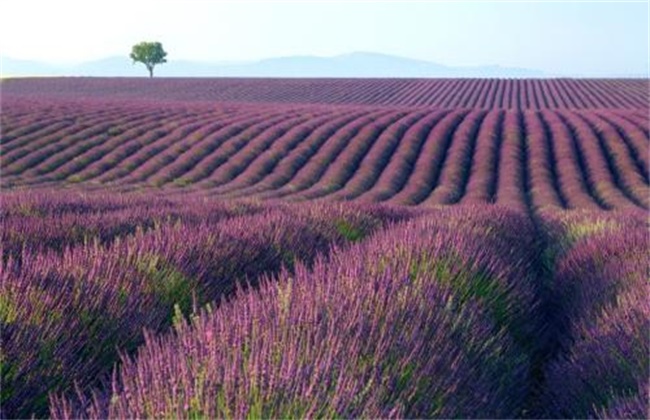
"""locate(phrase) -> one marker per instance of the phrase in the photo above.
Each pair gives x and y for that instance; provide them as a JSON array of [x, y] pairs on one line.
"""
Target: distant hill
[[12, 67], [358, 64]]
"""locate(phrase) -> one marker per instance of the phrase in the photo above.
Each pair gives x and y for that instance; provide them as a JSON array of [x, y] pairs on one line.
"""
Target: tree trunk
[[150, 71]]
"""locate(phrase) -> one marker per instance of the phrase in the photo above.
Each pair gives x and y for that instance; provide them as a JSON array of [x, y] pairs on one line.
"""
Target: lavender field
[[355, 248]]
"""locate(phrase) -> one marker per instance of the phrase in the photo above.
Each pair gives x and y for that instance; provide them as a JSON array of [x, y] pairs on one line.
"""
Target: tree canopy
[[148, 53]]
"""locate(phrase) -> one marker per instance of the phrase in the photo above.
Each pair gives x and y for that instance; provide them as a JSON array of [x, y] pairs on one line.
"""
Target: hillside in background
[[358, 64]]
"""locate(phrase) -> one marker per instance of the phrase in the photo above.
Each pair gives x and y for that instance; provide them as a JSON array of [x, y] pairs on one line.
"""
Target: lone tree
[[149, 54]]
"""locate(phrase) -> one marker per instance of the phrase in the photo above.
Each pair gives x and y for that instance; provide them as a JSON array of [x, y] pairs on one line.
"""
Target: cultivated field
[[324, 248], [631, 94]]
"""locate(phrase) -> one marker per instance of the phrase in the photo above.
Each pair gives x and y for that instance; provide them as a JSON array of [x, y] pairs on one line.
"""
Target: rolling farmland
[[527, 143], [631, 94], [351, 248]]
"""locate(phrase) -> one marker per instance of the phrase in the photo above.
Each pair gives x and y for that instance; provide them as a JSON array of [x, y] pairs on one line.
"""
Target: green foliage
[[75, 179], [178, 319], [182, 182], [577, 231], [8, 310], [150, 54], [349, 231], [467, 284], [171, 286], [7, 375], [114, 131], [28, 210]]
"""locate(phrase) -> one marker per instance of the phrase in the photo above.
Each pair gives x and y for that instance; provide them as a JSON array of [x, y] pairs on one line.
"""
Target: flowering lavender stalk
[[600, 285], [66, 314], [414, 322]]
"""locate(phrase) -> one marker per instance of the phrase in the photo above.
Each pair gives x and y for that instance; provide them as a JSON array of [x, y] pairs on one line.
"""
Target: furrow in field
[[603, 99], [386, 96], [362, 169], [630, 118], [445, 88], [341, 168], [258, 163], [616, 96], [608, 157], [546, 187], [117, 154], [453, 174], [510, 189], [79, 125], [37, 123], [28, 132], [509, 103], [231, 146], [483, 175], [160, 159], [239, 161], [573, 178], [399, 168], [430, 161], [158, 153], [586, 95], [475, 100], [16, 147], [634, 140], [549, 98], [296, 159], [313, 169], [539, 101], [61, 149], [596, 171], [412, 90], [377, 158], [568, 94], [447, 95], [638, 117], [459, 95], [82, 156]]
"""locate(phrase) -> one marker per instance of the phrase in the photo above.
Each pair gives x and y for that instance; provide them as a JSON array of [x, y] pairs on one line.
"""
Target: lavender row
[[453, 93], [38, 221], [423, 320], [528, 160], [302, 152], [600, 286], [377, 157], [65, 317]]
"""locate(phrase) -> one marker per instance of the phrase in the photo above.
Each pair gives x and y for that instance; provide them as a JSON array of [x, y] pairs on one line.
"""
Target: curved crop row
[[316, 343], [398, 170], [66, 315], [39, 149], [455, 169], [601, 367], [157, 154], [189, 160], [545, 187], [296, 159], [315, 167], [267, 151], [377, 157], [340, 168], [531, 159], [429, 163]]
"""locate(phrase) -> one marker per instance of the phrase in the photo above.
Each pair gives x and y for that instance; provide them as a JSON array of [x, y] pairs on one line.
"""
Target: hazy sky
[[587, 37]]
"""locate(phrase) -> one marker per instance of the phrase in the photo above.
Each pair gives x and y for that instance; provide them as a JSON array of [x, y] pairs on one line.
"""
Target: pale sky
[[587, 37]]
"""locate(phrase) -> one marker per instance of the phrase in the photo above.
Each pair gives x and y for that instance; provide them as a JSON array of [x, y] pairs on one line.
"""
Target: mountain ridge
[[355, 64]]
